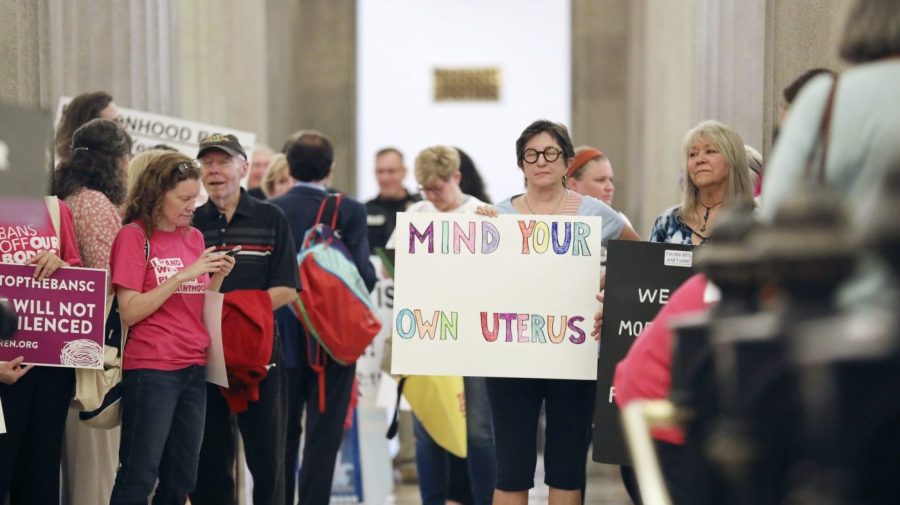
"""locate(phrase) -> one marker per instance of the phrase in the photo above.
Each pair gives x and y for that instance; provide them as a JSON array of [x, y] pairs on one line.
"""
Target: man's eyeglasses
[[551, 154]]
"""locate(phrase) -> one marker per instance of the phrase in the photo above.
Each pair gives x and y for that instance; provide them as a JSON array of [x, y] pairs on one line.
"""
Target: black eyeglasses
[[551, 154]]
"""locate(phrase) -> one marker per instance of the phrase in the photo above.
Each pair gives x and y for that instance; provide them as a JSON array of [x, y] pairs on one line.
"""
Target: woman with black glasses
[[161, 272], [543, 151]]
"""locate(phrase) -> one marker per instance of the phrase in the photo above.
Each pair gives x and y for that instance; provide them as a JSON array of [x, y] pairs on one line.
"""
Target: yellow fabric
[[440, 405]]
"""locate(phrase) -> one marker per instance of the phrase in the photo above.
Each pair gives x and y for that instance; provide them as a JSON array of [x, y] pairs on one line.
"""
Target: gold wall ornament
[[463, 84]]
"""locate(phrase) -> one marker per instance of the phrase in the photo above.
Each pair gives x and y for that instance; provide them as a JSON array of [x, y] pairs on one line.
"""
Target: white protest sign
[[216, 371], [368, 366], [148, 129], [511, 296]]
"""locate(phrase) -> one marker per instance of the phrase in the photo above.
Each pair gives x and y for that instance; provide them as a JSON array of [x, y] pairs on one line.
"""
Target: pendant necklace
[[705, 215]]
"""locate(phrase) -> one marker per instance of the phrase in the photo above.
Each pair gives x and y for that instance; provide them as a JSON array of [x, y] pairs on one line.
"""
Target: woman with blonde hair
[[437, 170], [715, 176], [137, 166], [277, 180]]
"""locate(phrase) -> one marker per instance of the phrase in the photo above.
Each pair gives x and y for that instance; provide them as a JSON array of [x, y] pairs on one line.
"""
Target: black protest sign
[[640, 276]]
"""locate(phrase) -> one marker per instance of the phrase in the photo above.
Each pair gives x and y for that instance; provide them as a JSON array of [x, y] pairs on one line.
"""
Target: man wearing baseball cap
[[266, 265], [228, 144]]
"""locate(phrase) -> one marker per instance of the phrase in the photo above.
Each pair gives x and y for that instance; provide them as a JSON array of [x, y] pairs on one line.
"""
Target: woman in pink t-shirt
[[35, 399], [161, 271]]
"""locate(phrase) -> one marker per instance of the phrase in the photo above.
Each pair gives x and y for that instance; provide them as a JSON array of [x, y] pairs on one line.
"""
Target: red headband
[[586, 155]]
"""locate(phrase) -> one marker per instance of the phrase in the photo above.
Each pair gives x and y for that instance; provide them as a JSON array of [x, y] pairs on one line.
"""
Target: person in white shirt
[[438, 175]]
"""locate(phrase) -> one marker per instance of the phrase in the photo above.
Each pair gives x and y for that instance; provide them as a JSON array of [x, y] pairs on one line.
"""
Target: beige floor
[[604, 488]]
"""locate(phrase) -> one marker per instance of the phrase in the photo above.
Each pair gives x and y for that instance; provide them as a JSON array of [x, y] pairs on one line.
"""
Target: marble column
[[660, 104], [222, 63], [600, 84], [729, 65], [800, 35], [52, 48], [317, 59]]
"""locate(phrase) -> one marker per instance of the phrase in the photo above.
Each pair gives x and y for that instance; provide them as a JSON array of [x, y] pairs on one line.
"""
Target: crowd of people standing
[[137, 218]]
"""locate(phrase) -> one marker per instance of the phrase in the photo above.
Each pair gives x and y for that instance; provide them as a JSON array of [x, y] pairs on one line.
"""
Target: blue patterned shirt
[[669, 228]]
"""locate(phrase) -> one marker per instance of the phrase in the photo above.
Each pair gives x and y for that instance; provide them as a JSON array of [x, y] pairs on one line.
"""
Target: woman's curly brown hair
[[161, 175], [98, 148]]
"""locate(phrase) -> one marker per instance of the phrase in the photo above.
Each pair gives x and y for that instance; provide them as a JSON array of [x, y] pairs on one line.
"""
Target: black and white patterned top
[[669, 228]]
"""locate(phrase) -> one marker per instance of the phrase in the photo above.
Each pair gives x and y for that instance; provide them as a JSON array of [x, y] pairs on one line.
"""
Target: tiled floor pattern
[[604, 488]]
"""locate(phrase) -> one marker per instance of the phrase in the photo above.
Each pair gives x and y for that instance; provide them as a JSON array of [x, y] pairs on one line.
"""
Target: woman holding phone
[[161, 272]]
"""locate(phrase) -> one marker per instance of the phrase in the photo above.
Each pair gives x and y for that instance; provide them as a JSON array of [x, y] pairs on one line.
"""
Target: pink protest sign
[[61, 319]]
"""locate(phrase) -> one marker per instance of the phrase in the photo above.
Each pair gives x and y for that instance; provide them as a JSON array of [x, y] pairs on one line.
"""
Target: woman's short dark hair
[[162, 174], [557, 130], [95, 162], [310, 156], [872, 31], [80, 110]]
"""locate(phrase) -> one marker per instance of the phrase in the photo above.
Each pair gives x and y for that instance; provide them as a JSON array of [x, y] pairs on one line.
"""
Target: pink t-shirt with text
[[19, 242], [174, 336]]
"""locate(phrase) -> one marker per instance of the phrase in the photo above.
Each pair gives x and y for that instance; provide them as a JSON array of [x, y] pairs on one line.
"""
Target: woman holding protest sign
[[35, 400], [543, 152], [715, 176], [161, 271], [92, 183], [437, 170]]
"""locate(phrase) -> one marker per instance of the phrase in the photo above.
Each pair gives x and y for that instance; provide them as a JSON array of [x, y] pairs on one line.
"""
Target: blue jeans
[[432, 460], [162, 427]]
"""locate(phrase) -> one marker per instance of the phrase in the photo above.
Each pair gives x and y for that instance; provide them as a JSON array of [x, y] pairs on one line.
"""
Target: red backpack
[[333, 304]]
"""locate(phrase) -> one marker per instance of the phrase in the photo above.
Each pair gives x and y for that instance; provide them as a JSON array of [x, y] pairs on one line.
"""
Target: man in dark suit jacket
[[311, 159]]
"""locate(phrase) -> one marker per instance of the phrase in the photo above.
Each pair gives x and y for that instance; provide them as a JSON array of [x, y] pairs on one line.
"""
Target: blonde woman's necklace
[[706, 214], [558, 204]]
